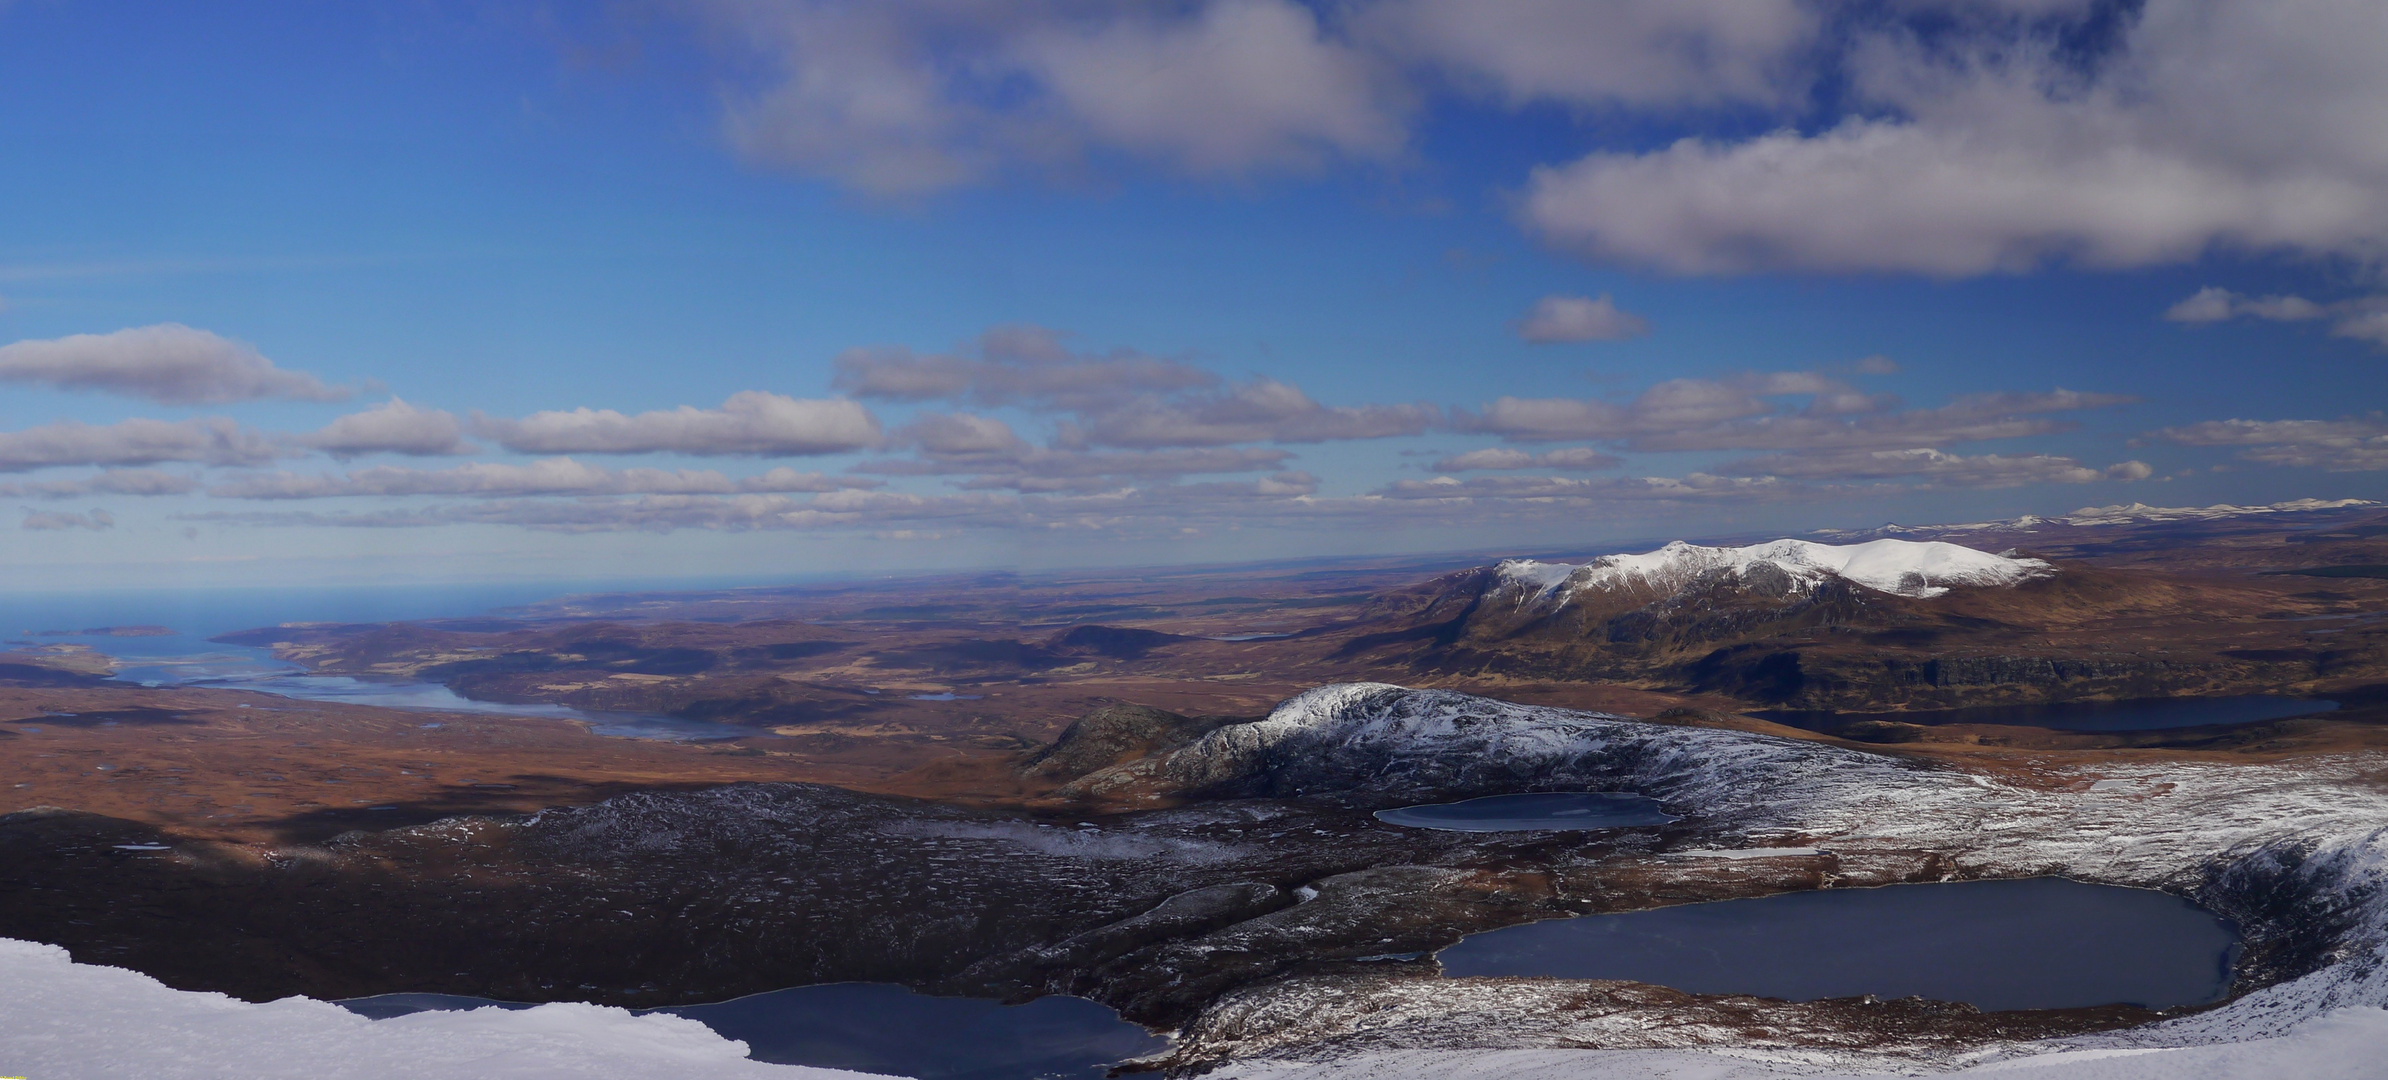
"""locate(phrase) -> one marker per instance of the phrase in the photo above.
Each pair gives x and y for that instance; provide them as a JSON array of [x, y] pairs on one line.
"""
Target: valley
[[1161, 792]]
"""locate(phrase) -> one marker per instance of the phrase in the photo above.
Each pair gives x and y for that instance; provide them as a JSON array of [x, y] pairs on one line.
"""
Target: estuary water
[[160, 638], [2034, 943], [881, 1028]]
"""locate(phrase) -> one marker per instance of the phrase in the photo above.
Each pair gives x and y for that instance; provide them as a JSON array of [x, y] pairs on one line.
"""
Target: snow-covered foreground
[[2344, 1045], [60, 1020]]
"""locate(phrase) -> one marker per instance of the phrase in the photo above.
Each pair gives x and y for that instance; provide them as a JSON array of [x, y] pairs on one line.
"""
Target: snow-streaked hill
[[2288, 849], [60, 1020], [2344, 1045], [1921, 569]]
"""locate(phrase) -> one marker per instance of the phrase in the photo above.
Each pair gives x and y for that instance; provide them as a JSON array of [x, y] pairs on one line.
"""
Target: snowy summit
[[1920, 569]]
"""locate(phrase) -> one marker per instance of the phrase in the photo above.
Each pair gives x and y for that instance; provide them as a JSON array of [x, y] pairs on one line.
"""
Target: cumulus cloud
[[61, 521], [2007, 143], [908, 97], [1503, 457], [392, 427], [751, 423], [2363, 318], [1557, 319], [1753, 412], [553, 476], [212, 441], [168, 363], [2346, 445]]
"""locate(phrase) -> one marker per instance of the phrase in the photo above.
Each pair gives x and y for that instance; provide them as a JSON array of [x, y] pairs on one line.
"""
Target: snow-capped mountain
[[1920, 570]]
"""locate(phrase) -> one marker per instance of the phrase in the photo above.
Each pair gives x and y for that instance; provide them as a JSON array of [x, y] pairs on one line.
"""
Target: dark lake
[[879, 1028], [2148, 714], [1541, 811], [2035, 943]]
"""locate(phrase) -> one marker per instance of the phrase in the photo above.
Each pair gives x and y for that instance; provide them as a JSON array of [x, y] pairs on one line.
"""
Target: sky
[[427, 291]]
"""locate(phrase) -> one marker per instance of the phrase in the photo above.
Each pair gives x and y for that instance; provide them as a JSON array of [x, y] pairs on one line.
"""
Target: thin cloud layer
[[1573, 458], [109, 482], [169, 363], [553, 476], [63, 521], [1263, 410], [1120, 398], [1027, 366], [139, 441], [1694, 487], [1558, 319], [751, 423], [1753, 412], [2349, 445], [1936, 468]]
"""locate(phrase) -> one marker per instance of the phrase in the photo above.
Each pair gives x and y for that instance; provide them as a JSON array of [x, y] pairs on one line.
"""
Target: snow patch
[[2344, 1045], [60, 1020]]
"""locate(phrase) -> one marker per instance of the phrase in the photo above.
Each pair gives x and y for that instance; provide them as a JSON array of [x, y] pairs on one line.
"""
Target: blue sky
[[1283, 261]]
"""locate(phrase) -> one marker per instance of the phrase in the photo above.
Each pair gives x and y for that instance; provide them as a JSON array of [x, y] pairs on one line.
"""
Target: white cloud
[[752, 422], [1503, 457], [1556, 319], [167, 363], [908, 97], [392, 427], [1229, 87], [61, 521], [958, 434], [1664, 53], [2258, 127], [2363, 318], [212, 441]]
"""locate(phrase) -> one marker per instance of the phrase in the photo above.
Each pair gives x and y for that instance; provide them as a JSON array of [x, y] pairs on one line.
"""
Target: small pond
[[1540, 811], [2148, 714], [879, 1028], [2035, 943]]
